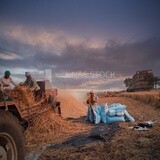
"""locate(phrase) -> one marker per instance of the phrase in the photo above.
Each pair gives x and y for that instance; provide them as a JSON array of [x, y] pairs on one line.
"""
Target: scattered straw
[[49, 128]]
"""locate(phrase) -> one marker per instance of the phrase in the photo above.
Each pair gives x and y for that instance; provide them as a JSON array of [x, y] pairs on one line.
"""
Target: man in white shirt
[[6, 81]]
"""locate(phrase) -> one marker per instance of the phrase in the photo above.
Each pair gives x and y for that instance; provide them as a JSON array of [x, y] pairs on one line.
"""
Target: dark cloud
[[121, 58], [124, 59]]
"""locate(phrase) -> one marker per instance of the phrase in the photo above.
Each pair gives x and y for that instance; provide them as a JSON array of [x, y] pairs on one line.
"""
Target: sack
[[104, 110], [128, 116], [119, 112], [114, 119], [111, 112], [116, 106], [97, 114]]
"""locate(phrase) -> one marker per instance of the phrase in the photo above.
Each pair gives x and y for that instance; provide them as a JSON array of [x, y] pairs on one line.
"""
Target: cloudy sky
[[83, 43]]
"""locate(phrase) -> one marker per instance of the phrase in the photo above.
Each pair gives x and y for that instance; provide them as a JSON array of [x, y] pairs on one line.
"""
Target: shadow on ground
[[82, 144]]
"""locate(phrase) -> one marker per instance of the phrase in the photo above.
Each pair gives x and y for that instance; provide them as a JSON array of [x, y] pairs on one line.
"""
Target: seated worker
[[92, 101], [30, 82], [6, 81]]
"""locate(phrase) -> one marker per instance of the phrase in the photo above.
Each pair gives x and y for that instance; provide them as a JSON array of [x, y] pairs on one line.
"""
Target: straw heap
[[49, 128], [22, 95]]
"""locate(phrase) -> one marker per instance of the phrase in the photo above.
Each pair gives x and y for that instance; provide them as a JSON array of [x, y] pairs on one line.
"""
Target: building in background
[[142, 80]]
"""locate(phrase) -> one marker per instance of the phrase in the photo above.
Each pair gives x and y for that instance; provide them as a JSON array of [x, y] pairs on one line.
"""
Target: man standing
[[92, 101], [6, 81]]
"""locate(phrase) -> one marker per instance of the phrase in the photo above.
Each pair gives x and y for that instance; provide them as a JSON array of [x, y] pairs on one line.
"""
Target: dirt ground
[[116, 141]]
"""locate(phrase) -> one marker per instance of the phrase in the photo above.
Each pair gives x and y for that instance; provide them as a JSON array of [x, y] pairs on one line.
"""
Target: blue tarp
[[109, 114]]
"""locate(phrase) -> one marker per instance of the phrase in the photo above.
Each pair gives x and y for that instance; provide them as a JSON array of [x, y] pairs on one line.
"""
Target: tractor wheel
[[11, 138]]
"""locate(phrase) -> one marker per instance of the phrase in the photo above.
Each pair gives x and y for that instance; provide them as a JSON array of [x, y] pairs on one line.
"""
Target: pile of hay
[[49, 128], [22, 95]]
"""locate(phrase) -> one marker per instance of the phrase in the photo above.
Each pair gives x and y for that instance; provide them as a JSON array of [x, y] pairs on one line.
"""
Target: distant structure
[[142, 80]]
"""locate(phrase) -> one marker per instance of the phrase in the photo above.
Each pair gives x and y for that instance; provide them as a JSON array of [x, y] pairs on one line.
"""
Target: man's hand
[[21, 84]]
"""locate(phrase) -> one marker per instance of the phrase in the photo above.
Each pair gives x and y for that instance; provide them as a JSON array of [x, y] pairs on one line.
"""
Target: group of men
[[6, 81]]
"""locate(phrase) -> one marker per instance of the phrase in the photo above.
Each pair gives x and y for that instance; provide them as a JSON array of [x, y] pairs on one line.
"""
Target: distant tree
[[150, 79], [156, 82], [128, 82]]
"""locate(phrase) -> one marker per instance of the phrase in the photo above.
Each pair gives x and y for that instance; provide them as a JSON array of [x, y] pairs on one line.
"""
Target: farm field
[[74, 138]]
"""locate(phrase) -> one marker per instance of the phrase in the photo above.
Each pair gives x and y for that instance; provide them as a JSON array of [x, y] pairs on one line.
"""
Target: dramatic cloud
[[22, 47]]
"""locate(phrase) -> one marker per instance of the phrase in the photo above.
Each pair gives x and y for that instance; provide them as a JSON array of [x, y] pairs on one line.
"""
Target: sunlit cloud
[[9, 56], [50, 40]]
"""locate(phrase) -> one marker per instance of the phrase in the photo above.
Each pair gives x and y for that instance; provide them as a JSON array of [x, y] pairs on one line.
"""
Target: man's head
[[27, 74], [7, 74], [91, 93]]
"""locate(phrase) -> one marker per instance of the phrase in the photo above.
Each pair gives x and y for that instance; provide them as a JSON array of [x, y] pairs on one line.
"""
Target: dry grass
[[151, 97], [48, 128], [93, 151], [135, 145], [23, 96], [125, 144]]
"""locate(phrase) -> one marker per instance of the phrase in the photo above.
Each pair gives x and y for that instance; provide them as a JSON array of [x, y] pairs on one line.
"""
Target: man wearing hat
[[31, 82], [92, 101], [6, 81]]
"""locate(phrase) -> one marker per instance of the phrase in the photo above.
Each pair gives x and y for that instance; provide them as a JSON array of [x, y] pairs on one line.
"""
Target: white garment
[[5, 83]]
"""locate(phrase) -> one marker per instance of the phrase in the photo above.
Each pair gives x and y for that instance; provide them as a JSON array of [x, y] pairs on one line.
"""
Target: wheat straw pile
[[48, 128], [22, 95]]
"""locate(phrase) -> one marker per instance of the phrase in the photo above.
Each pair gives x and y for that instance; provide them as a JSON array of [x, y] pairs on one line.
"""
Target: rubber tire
[[10, 125]]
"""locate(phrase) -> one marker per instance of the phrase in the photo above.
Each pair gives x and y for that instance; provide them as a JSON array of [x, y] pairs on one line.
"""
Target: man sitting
[[30, 82], [6, 81]]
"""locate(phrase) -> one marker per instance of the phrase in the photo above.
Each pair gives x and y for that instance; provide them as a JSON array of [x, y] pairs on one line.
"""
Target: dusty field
[[86, 141], [72, 138]]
